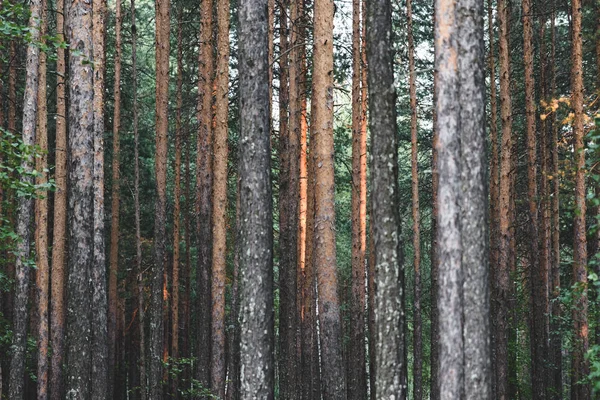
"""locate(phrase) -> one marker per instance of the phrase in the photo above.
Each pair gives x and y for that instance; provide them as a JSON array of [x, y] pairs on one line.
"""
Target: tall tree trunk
[[219, 201], [136, 198], [16, 386], [81, 202], [162, 127], [332, 367], [116, 188], [417, 320], [256, 216], [501, 290], [537, 275], [391, 380], [204, 185], [580, 365], [57, 306], [12, 87], [177, 206], [357, 378], [41, 222]]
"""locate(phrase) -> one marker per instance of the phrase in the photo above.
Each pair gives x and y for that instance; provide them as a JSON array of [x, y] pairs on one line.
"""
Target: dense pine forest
[[300, 199]]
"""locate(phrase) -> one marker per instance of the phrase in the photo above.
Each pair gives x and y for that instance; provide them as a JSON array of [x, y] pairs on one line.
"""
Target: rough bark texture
[[256, 217], [219, 200], [391, 380], [417, 319], [580, 365], [204, 178], [357, 374], [160, 221], [16, 382], [57, 314], [501, 290], [332, 366], [41, 223], [115, 205], [81, 202]]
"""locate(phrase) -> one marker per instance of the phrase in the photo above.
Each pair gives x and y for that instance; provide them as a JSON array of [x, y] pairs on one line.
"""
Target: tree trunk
[[12, 87], [162, 126], [580, 365], [81, 203], [391, 380], [334, 380], [256, 217], [219, 200], [502, 269], [204, 179], [25, 206], [57, 314], [41, 222], [116, 186], [417, 320]]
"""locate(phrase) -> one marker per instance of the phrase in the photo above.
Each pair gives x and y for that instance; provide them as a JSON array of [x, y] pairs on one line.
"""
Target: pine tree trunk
[[16, 386], [219, 202], [162, 126], [501, 291], [57, 306], [332, 367], [41, 222], [81, 203], [256, 225], [580, 365], [391, 380], [204, 185], [116, 187], [417, 320]]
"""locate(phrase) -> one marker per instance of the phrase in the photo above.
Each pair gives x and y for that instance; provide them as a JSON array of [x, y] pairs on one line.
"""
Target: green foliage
[[192, 389]]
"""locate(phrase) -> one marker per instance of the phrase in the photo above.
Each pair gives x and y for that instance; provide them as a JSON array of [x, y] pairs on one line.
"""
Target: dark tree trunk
[[256, 217], [390, 347]]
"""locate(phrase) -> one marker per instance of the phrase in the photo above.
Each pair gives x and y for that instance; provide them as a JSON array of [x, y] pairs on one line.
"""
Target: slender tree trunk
[[41, 222], [371, 308], [12, 87], [334, 380], [136, 195], [357, 378], [219, 201], [580, 365], [177, 206], [116, 198], [256, 225], [162, 125], [57, 314], [417, 320], [81, 203], [16, 386], [204, 185], [391, 380], [502, 270]]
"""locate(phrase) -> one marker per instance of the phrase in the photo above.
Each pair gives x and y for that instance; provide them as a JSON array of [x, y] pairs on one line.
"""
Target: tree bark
[[204, 179], [256, 224], [332, 366], [391, 380], [41, 221], [580, 365], [219, 200], [162, 127], [16, 386], [116, 187]]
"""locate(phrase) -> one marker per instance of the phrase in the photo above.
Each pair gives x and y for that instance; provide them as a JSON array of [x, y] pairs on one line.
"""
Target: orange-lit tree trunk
[[57, 306], [25, 207], [162, 126], [323, 240], [580, 365], [41, 222], [204, 182], [219, 200], [116, 198]]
